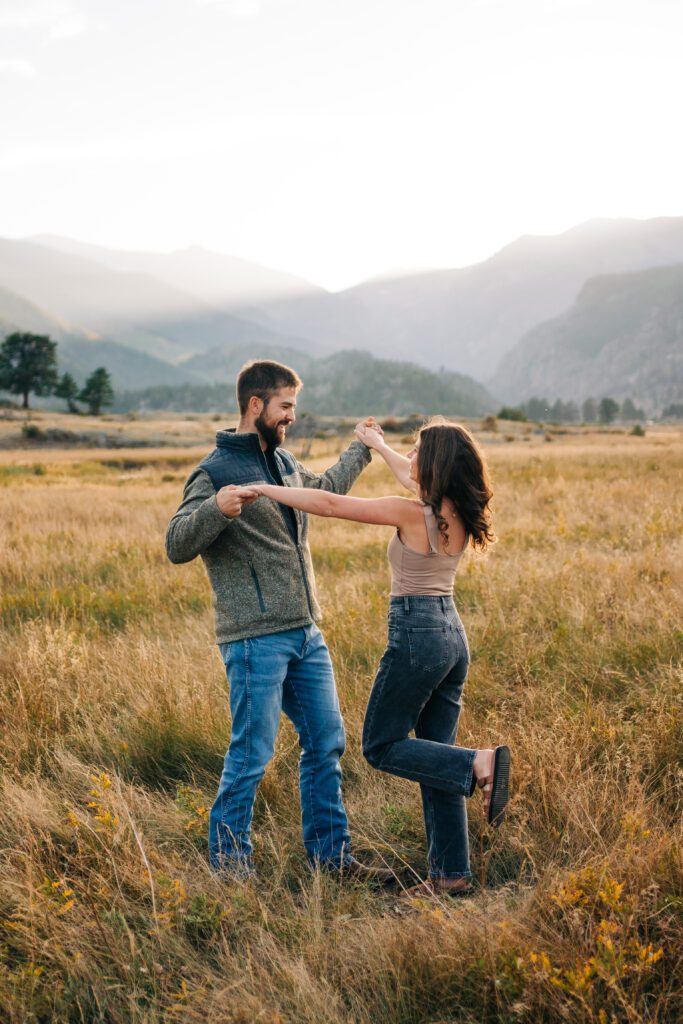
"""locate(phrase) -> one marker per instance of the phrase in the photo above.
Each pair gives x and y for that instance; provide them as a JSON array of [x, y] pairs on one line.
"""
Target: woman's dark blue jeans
[[419, 687]]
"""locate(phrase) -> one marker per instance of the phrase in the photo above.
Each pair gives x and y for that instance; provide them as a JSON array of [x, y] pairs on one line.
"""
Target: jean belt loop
[[406, 604], [443, 603]]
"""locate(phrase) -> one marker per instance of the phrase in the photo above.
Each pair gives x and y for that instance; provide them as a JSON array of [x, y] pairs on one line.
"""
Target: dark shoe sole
[[500, 790]]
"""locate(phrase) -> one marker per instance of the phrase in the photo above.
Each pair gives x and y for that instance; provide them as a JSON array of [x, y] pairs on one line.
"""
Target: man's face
[[277, 414]]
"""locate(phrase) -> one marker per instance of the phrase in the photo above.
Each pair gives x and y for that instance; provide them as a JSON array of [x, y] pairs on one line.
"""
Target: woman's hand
[[254, 491], [369, 432]]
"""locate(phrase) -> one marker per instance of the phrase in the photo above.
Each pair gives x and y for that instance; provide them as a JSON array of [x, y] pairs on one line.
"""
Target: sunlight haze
[[336, 141]]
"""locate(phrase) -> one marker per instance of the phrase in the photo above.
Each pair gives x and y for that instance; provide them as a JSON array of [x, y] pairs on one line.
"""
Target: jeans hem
[[450, 874], [436, 782], [233, 868], [469, 778], [331, 863]]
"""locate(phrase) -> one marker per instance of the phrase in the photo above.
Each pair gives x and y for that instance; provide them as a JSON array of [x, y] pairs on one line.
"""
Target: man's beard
[[270, 433]]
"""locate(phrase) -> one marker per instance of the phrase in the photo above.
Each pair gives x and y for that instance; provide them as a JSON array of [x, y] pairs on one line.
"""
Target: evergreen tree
[[557, 412], [630, 411], [608, 410], [97, 391], [571, 412], [28, 363], [537, 408], [589, 411], [67, 388]]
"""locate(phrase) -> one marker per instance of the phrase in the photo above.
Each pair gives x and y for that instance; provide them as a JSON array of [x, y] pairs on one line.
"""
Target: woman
[[422, 672]]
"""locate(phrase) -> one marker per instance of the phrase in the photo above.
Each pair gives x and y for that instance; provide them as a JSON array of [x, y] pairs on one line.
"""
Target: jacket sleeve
[[340, 477], [198, 520]]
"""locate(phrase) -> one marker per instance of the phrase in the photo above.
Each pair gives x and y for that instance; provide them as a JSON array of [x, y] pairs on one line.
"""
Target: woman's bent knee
[[374, 755]]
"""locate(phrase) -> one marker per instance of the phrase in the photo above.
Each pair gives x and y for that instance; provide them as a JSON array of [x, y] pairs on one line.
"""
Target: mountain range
[[623, 336], [348, 383], [535, 317]]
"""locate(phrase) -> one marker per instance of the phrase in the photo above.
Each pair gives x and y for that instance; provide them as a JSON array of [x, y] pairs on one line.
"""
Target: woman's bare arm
[[390, 511], [397, 463]]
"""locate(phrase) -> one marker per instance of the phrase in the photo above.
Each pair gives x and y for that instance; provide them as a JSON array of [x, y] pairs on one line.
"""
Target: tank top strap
[[432, 528]]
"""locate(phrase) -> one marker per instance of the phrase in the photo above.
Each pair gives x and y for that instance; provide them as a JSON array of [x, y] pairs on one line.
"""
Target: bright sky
[[336, 138]]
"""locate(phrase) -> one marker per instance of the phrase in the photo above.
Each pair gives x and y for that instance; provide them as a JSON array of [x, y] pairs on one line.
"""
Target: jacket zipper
[[305, 579], [259, 594], [270, 477]]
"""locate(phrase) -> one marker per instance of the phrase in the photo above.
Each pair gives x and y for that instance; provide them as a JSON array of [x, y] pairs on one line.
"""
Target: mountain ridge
[[622, 337]]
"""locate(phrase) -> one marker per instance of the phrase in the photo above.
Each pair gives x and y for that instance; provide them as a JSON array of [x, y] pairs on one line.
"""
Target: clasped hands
[[231, 498]]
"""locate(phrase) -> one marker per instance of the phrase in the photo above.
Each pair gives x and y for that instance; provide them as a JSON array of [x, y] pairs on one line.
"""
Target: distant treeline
[[28, 365], [605, 410]]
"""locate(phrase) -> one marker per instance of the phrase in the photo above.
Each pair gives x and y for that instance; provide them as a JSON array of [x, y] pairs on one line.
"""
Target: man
[[259, 564]]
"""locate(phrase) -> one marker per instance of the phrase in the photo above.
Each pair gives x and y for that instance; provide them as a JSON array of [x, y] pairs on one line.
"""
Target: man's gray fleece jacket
[[259, 563]]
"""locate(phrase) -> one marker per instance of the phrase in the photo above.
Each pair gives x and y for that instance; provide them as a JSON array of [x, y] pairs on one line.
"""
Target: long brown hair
[[451, 465]]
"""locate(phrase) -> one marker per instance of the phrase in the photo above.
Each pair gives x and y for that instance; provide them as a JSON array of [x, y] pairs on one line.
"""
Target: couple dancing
[[245, 511]]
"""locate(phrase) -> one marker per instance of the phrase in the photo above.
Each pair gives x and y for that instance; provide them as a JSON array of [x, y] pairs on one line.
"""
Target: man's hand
[[369, 432], [231, 498]]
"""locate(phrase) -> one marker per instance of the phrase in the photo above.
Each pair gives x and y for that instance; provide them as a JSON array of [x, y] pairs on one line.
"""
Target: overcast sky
[[336, 138]]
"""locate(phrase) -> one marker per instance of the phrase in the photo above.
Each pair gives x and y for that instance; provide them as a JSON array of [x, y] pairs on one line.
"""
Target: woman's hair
[[451, 465]]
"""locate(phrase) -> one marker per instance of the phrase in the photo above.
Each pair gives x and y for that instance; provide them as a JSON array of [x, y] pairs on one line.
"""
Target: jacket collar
[[238, 442], [241, 442]]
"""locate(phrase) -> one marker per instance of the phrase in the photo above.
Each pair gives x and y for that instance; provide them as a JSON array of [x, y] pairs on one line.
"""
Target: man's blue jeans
[[290, 672]]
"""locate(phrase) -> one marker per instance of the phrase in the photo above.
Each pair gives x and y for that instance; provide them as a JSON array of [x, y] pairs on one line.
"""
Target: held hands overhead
[[232, 498], [369, 432]]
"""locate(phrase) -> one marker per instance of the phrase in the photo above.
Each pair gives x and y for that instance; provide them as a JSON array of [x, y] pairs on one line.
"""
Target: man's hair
[[262, 377]]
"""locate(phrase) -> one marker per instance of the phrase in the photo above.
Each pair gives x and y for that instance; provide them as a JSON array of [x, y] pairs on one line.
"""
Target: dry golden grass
[[114, 722]]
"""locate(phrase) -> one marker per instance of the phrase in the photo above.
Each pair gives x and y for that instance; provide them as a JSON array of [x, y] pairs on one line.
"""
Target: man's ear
[[256, 405]]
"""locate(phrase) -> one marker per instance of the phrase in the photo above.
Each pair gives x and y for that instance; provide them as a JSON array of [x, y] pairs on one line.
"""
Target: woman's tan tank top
[[413, 572]]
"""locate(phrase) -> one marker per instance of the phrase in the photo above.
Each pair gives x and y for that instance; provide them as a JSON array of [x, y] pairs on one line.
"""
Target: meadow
[[114, 722]]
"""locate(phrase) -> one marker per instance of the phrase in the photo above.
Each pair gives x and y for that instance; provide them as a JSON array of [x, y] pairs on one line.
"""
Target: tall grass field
[[114, 723]]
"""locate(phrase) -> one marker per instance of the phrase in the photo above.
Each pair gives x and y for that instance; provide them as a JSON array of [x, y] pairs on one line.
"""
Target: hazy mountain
[[465, 320], [468, 319], [17, 314], [219, 280], [133, 308], [623, 337], [128, 368], [79, 354], [347, 384], [224, 361]]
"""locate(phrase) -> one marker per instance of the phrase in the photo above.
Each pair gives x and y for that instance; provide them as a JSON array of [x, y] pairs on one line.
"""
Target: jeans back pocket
[[431, 648]]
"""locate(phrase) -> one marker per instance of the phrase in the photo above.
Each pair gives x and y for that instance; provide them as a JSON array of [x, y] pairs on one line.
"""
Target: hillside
[[224, 361], [185, 308], [212, 277], [622, 337], [135, 309], [346, 384], [468, 319], [128, 368], [17, 314]]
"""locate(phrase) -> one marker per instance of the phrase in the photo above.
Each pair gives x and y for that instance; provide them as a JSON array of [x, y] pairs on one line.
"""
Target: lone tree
[[28, 362], [589, 410], [608, 410], [67, 388], [97, 391]]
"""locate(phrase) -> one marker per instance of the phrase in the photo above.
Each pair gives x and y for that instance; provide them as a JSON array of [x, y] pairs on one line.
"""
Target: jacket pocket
[[257, 585]]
